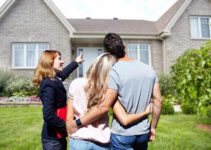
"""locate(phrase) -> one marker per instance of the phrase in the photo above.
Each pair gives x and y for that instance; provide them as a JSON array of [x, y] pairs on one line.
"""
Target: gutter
[[163, 37]]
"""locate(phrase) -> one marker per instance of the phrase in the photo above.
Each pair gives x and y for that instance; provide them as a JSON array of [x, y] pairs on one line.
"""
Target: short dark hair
[[114, 45]]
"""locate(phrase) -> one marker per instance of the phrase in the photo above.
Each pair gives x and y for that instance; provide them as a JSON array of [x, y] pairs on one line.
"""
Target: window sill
[[21, 68], [200, 39]]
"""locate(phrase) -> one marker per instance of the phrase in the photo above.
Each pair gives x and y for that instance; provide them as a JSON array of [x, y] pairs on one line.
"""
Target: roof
[[114, 25], [168, 15], [141, 27], [83, 27]]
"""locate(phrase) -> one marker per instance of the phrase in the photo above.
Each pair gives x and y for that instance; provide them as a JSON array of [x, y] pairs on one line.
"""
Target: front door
[[89, 54]]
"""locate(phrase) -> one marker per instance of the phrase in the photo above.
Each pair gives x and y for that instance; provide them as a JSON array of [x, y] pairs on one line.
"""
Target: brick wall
[[31, 21], [180, 38]]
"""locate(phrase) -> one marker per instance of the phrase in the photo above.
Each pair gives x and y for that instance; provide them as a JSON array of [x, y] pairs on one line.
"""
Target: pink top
[[98, 131]]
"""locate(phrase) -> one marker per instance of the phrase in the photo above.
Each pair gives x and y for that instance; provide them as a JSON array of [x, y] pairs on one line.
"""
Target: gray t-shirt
[[134, 83]]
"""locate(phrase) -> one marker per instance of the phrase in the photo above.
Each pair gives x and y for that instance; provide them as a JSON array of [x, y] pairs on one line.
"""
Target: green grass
[[20, 129], [179, 132]]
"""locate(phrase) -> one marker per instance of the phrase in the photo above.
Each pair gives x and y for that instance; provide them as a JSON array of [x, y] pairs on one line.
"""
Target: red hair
[[45, 66]]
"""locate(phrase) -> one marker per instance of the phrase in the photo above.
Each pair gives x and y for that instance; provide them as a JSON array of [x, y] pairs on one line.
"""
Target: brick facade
[[31, 21], [180, 38]]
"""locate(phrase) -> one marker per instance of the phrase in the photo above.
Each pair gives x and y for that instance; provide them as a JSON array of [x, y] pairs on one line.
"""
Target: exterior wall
[[180, 38], [31, 21], [156, 53]]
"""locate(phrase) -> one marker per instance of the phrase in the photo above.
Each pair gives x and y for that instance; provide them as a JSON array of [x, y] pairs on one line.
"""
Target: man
[[134, 84]]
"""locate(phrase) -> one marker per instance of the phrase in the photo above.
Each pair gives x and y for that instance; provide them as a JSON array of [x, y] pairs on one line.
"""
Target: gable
[[35, 8]]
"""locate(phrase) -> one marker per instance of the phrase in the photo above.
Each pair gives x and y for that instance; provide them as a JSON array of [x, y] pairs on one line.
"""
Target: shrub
[[20, 87], [192, 78], [209, 111], [166, 84], [188, 108], [167, 107], [4, 76]]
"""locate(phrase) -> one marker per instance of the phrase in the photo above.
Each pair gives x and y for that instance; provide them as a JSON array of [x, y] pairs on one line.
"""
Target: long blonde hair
[[45, 66], [97, 76]]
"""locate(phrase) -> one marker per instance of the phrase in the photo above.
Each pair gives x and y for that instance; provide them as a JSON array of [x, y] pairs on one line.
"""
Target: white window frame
[[138, 51], [25, 55], [199, 27]]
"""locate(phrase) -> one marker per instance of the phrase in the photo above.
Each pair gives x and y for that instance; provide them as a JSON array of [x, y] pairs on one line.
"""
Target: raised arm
[[156, 110], [70, 68], [126, 119]]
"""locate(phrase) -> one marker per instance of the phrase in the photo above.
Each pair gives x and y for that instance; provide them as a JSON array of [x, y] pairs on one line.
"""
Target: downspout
[[164, 54], [163, 36]]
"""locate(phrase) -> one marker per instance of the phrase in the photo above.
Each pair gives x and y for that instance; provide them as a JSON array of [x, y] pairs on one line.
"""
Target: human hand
[[71, 127], [79, 58], [152, 134]]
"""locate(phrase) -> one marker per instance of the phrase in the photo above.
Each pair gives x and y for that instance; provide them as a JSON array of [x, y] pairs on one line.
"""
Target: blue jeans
[[54, 144], [134, 142], [76, 144]]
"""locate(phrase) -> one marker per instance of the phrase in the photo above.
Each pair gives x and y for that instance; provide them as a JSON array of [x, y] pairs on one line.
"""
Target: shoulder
[[78, 82], [47, 82], [146, 66]]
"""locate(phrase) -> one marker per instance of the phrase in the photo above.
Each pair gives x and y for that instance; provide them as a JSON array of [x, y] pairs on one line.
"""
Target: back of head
[[45, 66], [97, 76], [114, 45]]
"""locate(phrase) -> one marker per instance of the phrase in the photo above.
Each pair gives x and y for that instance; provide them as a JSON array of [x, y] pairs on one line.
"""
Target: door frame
[[81, 48]]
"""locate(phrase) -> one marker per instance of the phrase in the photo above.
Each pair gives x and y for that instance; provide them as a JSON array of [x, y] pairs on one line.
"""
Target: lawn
[[20, 129]]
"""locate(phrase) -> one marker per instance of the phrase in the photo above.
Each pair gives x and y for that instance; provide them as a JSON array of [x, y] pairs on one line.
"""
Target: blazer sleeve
[[67, 70], [49, 105]]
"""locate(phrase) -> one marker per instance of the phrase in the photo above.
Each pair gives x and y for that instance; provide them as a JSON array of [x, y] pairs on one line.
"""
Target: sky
[[108, 9]]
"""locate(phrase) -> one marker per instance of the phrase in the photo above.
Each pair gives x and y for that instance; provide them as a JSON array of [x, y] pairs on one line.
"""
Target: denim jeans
[[54, 144], [135, 142], [76, 144]]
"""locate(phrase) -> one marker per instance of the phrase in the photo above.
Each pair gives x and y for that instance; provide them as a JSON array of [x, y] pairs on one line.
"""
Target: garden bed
[[20, 101]]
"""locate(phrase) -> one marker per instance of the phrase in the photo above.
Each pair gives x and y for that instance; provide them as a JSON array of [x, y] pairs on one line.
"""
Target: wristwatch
[[78, 122]]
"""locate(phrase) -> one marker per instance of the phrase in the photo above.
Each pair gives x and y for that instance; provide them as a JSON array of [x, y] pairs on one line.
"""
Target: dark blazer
[[53, 95]]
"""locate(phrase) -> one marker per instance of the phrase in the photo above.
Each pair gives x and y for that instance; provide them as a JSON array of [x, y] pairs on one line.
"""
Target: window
[[26, 55], [200, 27], [140, 52]]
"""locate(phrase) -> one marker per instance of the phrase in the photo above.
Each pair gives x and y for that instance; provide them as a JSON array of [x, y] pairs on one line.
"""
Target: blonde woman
[[88, 92], [49, 75]]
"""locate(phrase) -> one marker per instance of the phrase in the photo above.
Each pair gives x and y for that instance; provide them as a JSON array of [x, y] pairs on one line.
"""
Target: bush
[[167, 107], [205, 111], [166, 84], [4, 76], [209, 111], [20, 87], [188, 108], [192, 77]]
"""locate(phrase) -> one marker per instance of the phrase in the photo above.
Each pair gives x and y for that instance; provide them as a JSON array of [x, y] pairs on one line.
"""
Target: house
[[27, 27]]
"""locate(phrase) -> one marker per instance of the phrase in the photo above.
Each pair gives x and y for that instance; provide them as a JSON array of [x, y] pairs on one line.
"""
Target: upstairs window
[[140, 52], [26, 55], [200, 27]]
